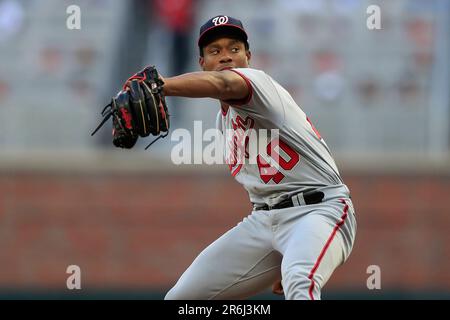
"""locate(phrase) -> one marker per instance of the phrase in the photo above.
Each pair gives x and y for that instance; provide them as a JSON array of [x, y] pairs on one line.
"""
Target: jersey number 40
[[269, 172]]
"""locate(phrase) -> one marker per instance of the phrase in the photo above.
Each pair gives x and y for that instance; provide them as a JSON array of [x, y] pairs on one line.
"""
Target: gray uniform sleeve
[[264, 99]]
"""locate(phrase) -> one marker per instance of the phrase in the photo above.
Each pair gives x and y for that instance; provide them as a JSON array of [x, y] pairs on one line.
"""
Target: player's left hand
[[138, 110], [277, 288]]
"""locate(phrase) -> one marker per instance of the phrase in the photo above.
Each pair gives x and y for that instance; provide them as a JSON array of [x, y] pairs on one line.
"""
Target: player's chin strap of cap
[[299, 199]]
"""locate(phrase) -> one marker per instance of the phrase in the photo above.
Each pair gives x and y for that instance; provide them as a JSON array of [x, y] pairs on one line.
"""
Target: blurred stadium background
[[133, 221]]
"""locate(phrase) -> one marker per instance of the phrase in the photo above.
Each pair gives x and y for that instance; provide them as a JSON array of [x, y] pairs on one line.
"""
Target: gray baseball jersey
[[305, 160], [302, 244]]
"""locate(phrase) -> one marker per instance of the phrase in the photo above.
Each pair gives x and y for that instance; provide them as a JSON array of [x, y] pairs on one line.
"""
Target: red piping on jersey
[[247, 99], [236, 171], [325, 248]]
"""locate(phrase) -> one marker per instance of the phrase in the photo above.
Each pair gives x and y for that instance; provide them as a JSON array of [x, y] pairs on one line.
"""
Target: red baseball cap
[[221, 25]]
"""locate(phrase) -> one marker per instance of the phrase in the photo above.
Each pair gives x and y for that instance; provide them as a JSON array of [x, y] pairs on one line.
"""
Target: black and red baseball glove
[[138, 110]]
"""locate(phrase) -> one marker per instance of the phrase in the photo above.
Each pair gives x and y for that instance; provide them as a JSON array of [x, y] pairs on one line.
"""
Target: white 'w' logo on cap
[[220, 20]]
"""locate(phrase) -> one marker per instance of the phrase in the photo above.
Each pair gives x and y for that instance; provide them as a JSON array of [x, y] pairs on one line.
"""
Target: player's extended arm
[[222, 85]]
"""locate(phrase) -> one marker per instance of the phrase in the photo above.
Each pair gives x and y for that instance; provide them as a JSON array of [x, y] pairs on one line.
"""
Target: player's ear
[[201, 62], [249, 56]]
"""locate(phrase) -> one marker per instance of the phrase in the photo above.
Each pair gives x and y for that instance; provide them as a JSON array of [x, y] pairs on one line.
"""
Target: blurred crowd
[[322, 51]]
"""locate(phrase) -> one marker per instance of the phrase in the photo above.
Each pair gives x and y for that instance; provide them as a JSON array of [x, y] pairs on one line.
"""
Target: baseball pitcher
[[302, 226]]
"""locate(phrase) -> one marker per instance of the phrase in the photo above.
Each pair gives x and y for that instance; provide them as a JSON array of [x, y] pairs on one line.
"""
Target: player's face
[[224, 53]]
